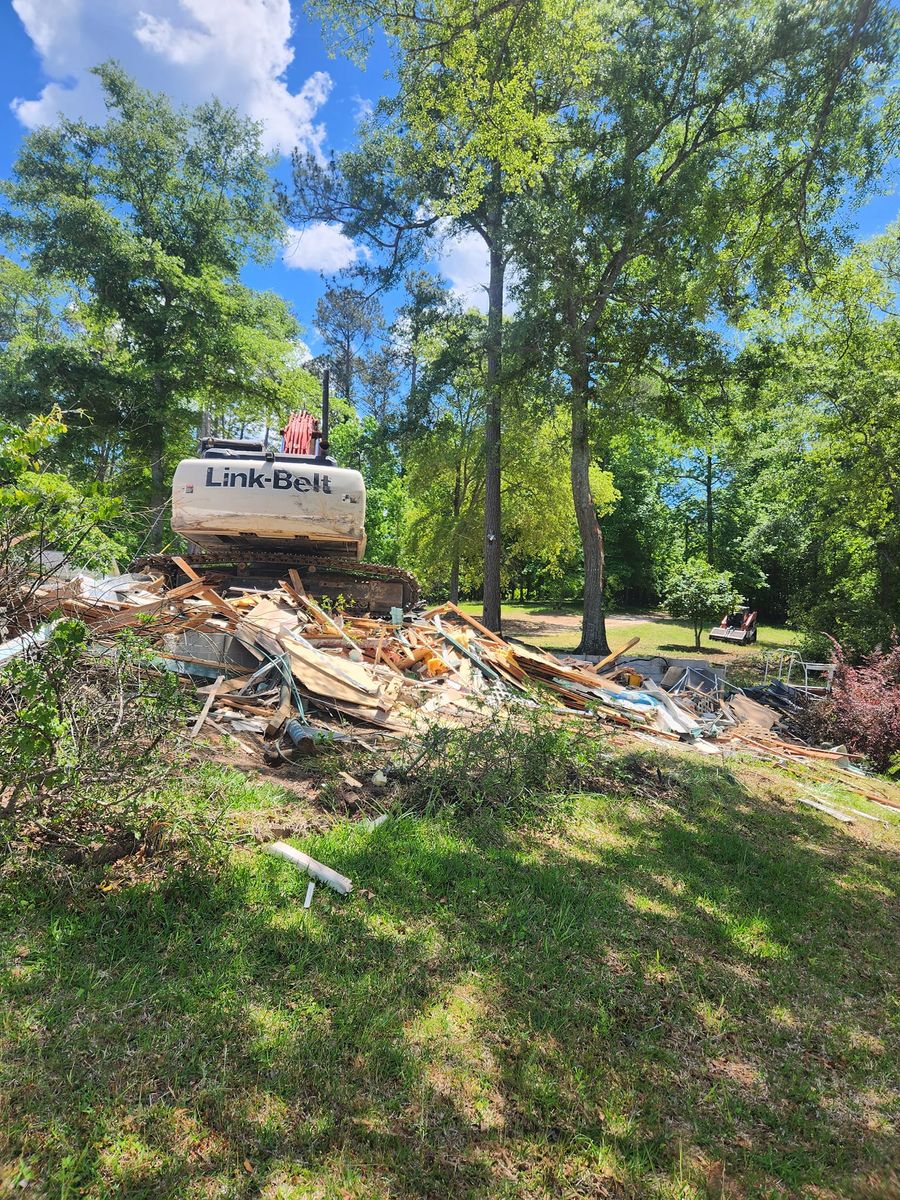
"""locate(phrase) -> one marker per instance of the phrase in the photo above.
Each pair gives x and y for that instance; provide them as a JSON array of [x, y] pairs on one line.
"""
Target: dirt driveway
[[539, 625]]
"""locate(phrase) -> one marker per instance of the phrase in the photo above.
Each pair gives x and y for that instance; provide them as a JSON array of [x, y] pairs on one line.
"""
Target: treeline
[[683, 354]]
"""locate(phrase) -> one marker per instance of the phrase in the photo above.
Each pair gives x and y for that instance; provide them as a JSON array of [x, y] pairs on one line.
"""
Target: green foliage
[[519, 766], [697, 592], [149, 218], [42, 510], [346, 321], [364, 445], [82, 735]]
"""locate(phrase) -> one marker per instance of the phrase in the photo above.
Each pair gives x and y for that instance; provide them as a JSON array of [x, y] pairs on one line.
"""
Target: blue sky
[[264, 57]]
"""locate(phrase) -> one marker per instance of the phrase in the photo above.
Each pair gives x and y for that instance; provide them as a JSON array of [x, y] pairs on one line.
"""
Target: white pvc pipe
[[318, 870]]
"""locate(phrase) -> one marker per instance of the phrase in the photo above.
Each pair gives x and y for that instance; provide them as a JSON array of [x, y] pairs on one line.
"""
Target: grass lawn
[[689, 991], [559, 628]]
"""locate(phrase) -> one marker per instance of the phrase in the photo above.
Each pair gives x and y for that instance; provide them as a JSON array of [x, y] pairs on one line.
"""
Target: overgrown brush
[[863, 710], [522, 765], [86, 745]]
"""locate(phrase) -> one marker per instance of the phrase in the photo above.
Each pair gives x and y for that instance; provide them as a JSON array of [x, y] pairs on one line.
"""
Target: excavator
[[251, 515]]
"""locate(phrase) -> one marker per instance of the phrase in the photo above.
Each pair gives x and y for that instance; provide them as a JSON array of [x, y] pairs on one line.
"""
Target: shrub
[[864, 705], [521, 765], [82, 732], [696, 592], [41, 511]]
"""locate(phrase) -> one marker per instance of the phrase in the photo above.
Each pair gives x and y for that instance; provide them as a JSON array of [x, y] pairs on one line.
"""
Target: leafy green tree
[[42, 511], [365, 446], [826, 486], [708, 159], [347, 320], [470, 129], [420, 319], [150, 216], [698, 592]]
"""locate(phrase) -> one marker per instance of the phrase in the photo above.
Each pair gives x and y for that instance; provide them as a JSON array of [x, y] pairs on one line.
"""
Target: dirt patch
[[539, 625]]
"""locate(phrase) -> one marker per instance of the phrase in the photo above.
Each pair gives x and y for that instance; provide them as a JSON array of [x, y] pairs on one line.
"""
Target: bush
[[521, 765], [696, 592], [864, 706], [41, 511], [82, 734]]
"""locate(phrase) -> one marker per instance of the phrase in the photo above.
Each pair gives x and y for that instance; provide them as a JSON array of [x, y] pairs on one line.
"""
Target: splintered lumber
[[323, 618], [268, 617], [470, 620], [329, 678], [212, 597], [339, 883], [132, 615], [204, 711], [614, 657], [290, 591], [186, 569], [535, 662], [466, 653], [296, 581], [415, 656]]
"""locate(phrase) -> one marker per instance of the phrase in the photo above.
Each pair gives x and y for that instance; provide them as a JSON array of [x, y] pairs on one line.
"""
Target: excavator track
[[368, 587]]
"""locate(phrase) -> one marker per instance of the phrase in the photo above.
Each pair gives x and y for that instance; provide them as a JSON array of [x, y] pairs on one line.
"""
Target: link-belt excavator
[[251, 513]]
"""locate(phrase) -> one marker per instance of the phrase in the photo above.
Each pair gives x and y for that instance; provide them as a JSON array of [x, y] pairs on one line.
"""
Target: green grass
[[658, 634], [689, 991], [676, 639]]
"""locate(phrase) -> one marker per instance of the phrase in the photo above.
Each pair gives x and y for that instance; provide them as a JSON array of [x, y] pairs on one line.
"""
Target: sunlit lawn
[[658, 634], [685, 992]]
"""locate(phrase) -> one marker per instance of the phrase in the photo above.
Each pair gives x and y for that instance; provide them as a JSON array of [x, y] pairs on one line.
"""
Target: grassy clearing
[[675, 638], [540, 624], [688, 991]]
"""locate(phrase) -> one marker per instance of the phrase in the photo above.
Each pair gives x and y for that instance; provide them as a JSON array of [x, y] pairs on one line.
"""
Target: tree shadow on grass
[[685, 979], [706, 651]]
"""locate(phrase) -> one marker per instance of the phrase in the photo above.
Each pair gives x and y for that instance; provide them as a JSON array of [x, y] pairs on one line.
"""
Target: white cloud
[[237, 50], [363, 108], [463, 259], [320, 247]]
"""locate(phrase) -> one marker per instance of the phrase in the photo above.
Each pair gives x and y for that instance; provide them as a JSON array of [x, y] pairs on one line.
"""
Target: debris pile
[[278, 667]]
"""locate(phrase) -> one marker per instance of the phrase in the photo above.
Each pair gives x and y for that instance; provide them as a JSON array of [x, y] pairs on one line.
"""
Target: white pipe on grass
[[340, 883]]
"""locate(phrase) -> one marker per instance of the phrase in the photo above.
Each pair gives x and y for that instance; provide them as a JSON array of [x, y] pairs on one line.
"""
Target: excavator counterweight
[[251, 514]]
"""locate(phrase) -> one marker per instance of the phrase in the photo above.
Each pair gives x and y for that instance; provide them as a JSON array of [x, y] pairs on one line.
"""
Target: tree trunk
[[709, 509], [411, 404], [454, 549], [158, 491], [156, 452], [493, 350], [593, 630]]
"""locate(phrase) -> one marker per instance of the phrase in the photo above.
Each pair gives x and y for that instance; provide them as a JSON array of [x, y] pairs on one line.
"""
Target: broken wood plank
[[470, 620], [186, 569], [827, 808], [204, 711], [296, 581], [614, 657], [132, 615], [212, 597]]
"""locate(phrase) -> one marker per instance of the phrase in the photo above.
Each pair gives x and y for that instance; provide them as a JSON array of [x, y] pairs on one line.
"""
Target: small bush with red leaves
[[865, 704]]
